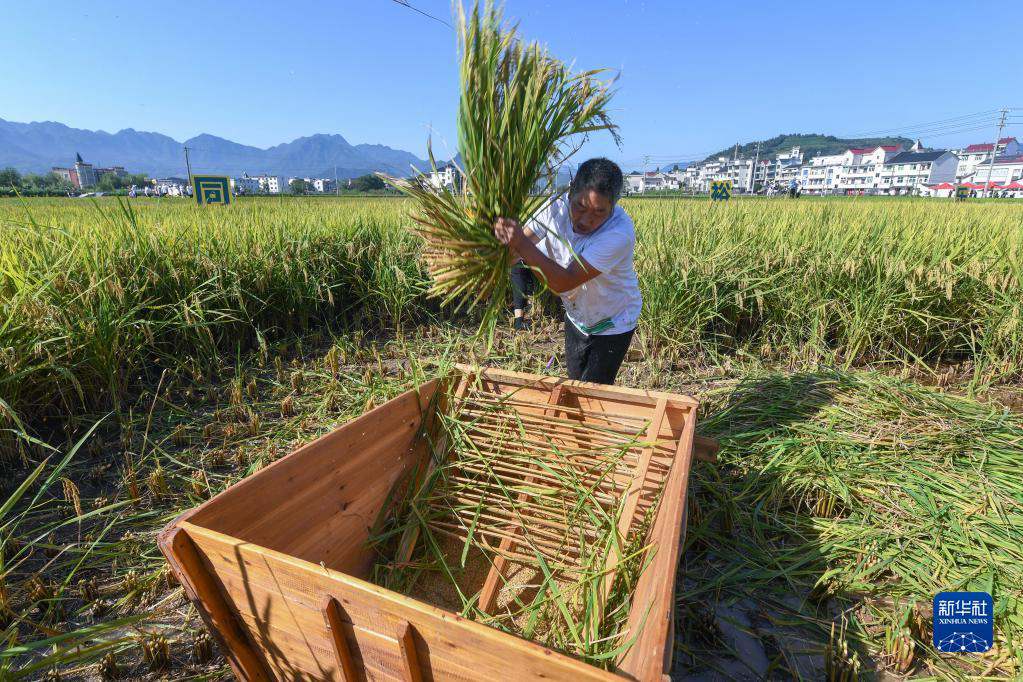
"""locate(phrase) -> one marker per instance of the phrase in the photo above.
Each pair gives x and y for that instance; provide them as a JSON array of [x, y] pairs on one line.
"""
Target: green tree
[[56, 184], [51, 183], [299, 186], [112, 183], [9, 177], [108, 183], [367, 183]]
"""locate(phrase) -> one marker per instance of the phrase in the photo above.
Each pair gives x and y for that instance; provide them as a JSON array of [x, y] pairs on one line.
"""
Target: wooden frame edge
[[414, 607], [202, 590], [585, 388]]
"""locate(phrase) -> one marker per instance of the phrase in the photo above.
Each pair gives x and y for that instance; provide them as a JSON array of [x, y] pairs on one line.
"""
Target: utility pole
[[753, 176], [188, 165], [337, 187], [994, 152]]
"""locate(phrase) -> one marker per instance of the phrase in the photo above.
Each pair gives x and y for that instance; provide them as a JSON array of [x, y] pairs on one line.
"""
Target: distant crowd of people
[[148, 191]]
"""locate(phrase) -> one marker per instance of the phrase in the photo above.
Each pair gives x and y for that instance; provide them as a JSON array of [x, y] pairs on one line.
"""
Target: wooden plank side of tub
[[206, 592], [280, 600], [653, 601], [319, 502]]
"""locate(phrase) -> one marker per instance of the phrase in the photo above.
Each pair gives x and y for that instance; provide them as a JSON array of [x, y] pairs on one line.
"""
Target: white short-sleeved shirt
[[609, 303]]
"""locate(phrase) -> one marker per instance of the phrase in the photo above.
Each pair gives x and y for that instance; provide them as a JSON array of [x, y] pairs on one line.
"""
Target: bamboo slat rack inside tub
[[277, 564]]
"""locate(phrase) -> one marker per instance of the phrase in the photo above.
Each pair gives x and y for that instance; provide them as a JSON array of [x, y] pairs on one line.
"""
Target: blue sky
[[695, 76]]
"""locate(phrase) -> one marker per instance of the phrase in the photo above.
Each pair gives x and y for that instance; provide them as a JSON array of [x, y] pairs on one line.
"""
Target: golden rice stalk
[[71, 495], [521, 114]]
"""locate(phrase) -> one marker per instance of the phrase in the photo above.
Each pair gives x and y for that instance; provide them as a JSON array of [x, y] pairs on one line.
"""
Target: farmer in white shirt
[[583, 245]]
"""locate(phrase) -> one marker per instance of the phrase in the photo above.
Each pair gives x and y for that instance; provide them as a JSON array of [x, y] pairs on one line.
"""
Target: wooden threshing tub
[[277, 564]]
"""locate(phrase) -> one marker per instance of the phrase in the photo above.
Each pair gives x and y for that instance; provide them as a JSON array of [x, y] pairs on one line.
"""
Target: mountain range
[[39, 146]]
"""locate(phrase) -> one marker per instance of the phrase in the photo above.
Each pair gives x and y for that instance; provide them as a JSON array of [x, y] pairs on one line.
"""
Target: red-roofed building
[[975, 155], [1006, 169]]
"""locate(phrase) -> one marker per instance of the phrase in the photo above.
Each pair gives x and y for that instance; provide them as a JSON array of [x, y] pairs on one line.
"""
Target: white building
[[788, 166], [697, 177], [691, 177], [676, 179], [246, 185], [862, 169], [447, 176], [641, 182], [764, 173], [1006, 170], [906, 172], [637, 183], [322, 185], [710, 171], [312, 184], [317, 185], [976, 155], [821, 175], [273, 184], [740, 172]]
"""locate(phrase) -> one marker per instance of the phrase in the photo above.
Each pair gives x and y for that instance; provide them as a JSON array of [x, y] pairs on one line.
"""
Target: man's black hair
[[601, 175]]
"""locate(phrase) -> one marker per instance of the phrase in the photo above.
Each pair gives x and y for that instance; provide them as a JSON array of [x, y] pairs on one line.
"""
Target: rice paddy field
[[858, 359]]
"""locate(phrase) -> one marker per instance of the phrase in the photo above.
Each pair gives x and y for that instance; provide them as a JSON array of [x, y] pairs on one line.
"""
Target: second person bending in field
[[583, 245]]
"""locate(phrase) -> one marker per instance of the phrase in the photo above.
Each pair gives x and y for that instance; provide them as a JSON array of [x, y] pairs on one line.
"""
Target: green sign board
[[211, 189]]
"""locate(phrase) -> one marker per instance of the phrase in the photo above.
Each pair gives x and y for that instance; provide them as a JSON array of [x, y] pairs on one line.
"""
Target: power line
[[404, 3], [912, 126], [950, 129], [986, 126], [943, 132], [665, 158]]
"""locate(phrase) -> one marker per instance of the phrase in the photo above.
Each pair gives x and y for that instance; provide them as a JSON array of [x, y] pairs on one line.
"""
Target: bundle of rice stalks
[[521, 115]]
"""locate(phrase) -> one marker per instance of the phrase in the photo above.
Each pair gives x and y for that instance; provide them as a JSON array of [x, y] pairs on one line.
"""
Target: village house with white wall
[[975, 155], [887, 169]]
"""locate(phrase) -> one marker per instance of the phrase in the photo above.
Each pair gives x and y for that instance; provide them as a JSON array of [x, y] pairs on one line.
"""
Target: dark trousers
[[592, 357], [522, 282]]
